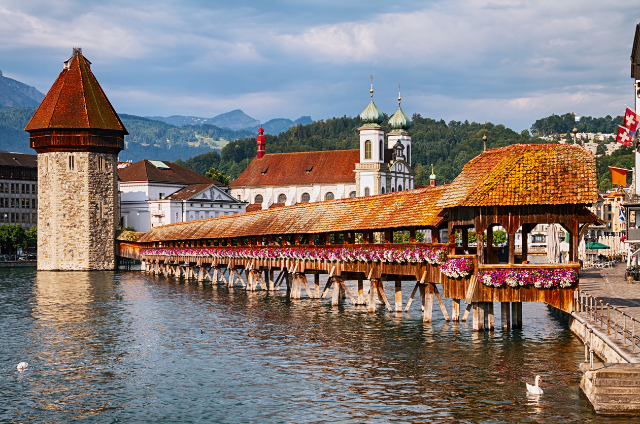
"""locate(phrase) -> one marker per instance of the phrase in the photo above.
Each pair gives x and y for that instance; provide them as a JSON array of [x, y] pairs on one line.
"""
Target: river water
[[129, 347]]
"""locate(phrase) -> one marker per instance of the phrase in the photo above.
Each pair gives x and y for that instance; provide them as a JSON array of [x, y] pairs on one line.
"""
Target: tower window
[[282, 198], [367, 192], [72, 163], [409, 154], [258, 199], [381, 150], [367, 149], [305, 198], [100, 163]]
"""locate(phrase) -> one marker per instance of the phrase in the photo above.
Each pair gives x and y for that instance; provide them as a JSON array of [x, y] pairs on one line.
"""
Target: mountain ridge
[[14, 93]]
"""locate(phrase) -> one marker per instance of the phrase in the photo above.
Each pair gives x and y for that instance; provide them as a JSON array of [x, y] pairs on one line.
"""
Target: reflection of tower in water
[[75, 338]]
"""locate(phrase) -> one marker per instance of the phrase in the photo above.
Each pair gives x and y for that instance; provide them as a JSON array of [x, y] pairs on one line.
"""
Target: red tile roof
[[76, 101], [402, 209], [144, 170], [304, 168], [189, 191], [254, 207], [525, 174]]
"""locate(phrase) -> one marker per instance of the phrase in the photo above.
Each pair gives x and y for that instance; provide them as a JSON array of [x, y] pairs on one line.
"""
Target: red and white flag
[[631, 120], [623, 136]]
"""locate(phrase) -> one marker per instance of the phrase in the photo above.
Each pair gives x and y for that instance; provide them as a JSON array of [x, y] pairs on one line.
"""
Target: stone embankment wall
[[78, 211]]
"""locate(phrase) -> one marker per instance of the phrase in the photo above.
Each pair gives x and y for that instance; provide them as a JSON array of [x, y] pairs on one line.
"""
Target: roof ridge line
[[93, 94], [84, 98], [55, 105]]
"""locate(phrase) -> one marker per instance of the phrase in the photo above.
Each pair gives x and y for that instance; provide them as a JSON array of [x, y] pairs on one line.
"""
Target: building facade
[[77, 135], [154, 193], [18, 189], [382, 164]]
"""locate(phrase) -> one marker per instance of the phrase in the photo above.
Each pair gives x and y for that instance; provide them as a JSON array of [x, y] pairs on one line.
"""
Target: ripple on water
[[107, 346]]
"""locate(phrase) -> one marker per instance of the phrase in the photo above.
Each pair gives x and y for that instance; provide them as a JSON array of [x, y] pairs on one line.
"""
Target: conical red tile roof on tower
[[76, 101]]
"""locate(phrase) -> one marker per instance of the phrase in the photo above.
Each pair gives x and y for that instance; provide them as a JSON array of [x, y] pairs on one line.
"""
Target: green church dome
[[399, 120], [372, 116]]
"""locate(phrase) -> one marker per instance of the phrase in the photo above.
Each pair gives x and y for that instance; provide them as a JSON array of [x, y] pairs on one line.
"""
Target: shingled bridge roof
[[509, 176]]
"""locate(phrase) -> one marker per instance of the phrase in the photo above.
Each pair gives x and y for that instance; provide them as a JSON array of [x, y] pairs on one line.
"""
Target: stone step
[[617, 390], [617, 408], [618, 399], [615, 382]]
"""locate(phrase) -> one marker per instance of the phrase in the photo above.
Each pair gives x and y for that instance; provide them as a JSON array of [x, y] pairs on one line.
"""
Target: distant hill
[[235, 120], [16, 94]]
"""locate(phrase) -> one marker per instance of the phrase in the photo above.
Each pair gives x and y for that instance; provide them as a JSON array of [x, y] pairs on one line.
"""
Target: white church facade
[[381, 165]]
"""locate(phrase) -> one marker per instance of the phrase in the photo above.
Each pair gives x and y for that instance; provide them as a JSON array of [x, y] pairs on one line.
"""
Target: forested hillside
[[562, 124]]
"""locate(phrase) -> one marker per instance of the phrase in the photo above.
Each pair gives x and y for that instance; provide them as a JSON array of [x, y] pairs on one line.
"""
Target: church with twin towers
[[381, 165]]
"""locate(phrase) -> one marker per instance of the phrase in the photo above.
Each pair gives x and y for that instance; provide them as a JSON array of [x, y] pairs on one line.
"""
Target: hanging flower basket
[[538, 278], [457, 268]]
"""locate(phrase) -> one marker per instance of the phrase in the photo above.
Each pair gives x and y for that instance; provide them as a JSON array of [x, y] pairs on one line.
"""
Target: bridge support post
[[268, 275], [361, 300], [455, 310], [398, 296], [505, 311], [478, 316], [335, 294], [250, 281], [426, 296], [373, 290], [342, 293], [316, 285], [491, 318], [200, 275], [516, 312]]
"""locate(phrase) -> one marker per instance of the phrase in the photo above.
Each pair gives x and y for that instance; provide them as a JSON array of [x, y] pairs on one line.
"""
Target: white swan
[[22, 366], [535, 389]]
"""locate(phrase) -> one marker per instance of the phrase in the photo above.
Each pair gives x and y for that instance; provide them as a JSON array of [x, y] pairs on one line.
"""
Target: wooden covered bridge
[[514, 187]]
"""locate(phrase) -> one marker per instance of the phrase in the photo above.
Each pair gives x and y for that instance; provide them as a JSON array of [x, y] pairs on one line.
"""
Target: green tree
[[218, 176], [12, 237], [32, 237], [499, 237]]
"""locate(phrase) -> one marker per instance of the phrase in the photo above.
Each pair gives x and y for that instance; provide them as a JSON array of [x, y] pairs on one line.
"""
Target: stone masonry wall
[[78, 211]]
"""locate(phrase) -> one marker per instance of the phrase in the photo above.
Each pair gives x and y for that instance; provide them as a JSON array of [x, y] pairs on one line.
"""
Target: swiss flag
[[631, 120], [623, 136]]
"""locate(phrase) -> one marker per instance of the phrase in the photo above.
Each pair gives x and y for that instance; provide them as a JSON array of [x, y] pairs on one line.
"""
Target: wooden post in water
[[316, 284], [398, 296], [478, 316], [455, 310], [491, 320], [373, 289], [335, 296], [426, 296], [505, 311], [361, 291], [516, 312]]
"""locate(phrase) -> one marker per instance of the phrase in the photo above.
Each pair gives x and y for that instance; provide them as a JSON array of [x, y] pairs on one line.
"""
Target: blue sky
[[504, 61]]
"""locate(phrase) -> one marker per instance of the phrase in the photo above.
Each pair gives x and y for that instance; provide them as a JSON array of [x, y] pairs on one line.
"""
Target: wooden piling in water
[[505, 312], [398, 295], [455, 310], [516, 312]]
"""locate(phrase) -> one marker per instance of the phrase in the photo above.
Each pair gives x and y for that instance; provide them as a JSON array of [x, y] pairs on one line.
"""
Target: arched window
[[367, 192], [382, 190], [409, 154], [305, 198], [352, 194], [282, 198], [399, 188], [328, 196], [392, 190], [381, 150], [258, 199], [367, 149]]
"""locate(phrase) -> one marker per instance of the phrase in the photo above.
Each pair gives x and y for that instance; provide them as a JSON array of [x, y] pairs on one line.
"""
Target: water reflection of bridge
[[515, 187]]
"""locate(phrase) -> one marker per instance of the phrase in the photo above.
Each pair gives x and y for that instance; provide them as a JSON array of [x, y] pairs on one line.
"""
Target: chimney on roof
[[261, 142]]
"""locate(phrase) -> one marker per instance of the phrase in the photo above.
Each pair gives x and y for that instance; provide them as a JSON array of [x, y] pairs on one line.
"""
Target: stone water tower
[[77, 135]]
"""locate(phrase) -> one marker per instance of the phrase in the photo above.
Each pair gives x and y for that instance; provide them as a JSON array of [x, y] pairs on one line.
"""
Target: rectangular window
[[25, 217], [13, 188], [100, 163], [13, 203], [23, 188], [33, 189], [1, 187], [35, 203], [609, 217], [13, 217], [176, 217], [72, 163], [27, 188]]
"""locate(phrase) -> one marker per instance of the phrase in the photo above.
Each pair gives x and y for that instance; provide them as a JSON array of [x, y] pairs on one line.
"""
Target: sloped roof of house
[[303, 168], [169, 172], [76, 101], [525, 174], [189, 191], [401, 209], [20, 160]]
